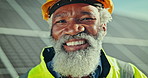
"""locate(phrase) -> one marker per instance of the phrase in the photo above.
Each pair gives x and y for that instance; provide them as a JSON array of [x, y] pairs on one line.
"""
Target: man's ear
[[104, 28]]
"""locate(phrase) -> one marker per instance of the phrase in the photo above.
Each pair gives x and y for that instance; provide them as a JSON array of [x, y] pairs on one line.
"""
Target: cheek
[[98, 26], [93, 30], [58, 31]]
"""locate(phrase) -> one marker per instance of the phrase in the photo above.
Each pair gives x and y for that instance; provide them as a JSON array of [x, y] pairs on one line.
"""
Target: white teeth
[[75, 43]]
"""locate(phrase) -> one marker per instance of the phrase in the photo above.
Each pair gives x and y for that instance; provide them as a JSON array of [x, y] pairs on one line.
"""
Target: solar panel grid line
[[12, 40], [1, 65], [126, 41], [20, 70], [144, 49], [21, 42], [23, 32], [34, 12], [35, 45], [119, 27], [136, 23], [25, 46], [132, 57], [111, 50], [3, 71], [23, 14], [5, 76], [26, 18], [8, 64], [138, 52], [132, 27], [41, 1], [9, 49], [143, 25], [9, 13], [16, 62]]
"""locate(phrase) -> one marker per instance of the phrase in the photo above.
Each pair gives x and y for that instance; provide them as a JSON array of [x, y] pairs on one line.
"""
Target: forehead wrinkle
[[88, 13], [61, 15], [70, 11], [65, 14]]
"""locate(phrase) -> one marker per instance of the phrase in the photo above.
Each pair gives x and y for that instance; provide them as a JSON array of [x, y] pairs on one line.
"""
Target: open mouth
[[75, 44]]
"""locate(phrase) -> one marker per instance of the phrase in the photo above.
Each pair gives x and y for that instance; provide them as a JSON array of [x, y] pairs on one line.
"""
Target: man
[[77, 31]]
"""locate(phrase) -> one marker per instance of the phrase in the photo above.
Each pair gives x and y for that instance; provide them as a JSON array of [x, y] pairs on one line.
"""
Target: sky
[[133, 8]]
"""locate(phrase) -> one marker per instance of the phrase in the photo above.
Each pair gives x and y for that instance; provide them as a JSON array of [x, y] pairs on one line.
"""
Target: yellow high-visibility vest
[[118, 69]]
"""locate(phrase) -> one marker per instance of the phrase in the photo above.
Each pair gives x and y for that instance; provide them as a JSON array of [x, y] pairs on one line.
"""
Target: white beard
[[80, 63]]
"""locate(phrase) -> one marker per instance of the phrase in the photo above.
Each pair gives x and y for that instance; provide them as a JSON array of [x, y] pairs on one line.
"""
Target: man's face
[[77, 35], [73, 19]]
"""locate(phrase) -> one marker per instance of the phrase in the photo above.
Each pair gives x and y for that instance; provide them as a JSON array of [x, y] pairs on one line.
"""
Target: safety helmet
[[51, 5]]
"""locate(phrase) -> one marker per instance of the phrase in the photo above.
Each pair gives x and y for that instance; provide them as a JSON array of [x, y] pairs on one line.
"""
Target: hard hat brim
[[50, 3]]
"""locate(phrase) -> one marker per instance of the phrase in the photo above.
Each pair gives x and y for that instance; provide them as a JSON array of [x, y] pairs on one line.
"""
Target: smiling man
[[77, 31]]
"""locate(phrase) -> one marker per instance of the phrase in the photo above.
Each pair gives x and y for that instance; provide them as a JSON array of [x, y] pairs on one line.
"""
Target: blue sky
[[133, 8]]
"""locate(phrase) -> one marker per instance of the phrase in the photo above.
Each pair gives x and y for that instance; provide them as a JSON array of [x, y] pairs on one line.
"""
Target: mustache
[[81, 35], [91, 40], [77, 36]]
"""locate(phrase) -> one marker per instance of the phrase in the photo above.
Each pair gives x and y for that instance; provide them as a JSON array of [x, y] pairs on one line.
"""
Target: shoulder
[[121, 68], [137, 72], [126, 70]]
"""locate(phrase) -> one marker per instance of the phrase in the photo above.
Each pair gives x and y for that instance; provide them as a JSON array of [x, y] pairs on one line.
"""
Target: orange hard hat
[[51, 3]]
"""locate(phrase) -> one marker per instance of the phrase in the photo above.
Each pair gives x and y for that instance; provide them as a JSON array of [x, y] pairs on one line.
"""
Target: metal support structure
[[8, 64]]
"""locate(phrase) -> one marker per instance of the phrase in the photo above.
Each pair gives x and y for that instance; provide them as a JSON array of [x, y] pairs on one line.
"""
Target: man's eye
[[61, 21], [87, 19]]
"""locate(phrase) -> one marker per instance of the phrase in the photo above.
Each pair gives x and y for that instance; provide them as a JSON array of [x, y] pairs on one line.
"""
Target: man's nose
[[74, 29]]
